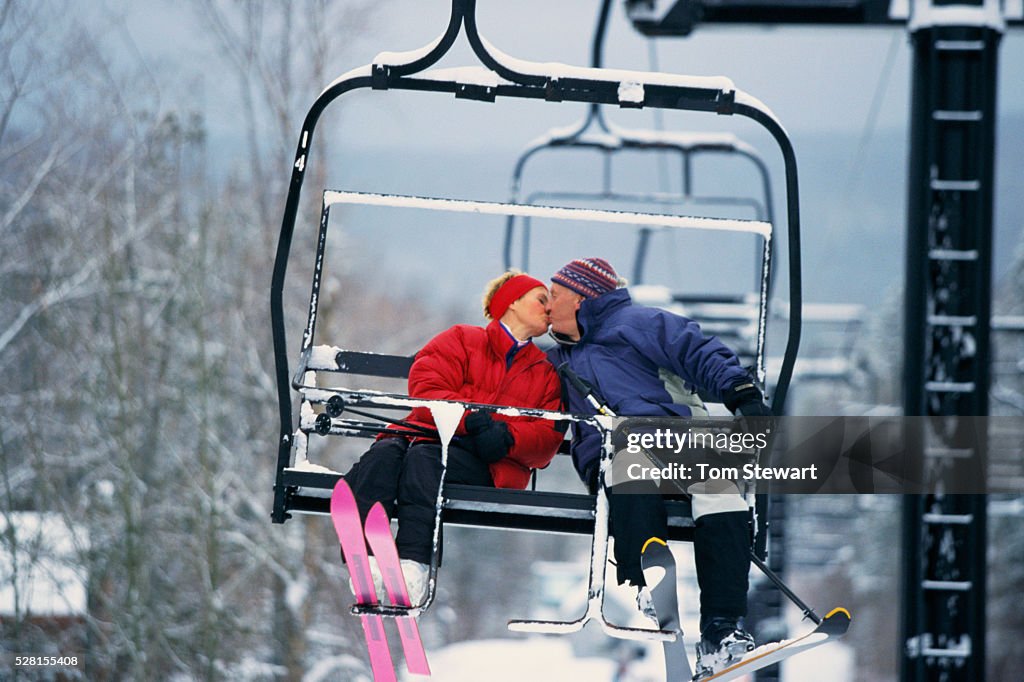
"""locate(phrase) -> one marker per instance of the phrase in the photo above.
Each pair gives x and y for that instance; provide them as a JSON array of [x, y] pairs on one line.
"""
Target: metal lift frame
[[610, 139], [503, 76]]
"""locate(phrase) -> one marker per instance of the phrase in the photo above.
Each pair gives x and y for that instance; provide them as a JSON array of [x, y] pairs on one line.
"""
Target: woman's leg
[[417, 493], [374, 478]]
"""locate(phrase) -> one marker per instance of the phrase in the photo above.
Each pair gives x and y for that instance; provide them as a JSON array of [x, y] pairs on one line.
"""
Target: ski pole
[[584, 390], [784, 588], [336, 405]]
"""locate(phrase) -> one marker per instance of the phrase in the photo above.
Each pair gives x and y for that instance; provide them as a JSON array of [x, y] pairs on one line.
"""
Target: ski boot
[[375, 575], [417, 580], [645, 603], [722, 642]]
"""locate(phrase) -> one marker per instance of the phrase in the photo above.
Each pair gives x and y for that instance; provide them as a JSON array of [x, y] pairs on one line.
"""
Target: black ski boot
[[723, 641]]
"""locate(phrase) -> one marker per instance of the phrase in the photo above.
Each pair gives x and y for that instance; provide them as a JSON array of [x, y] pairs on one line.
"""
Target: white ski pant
[[705, 504]]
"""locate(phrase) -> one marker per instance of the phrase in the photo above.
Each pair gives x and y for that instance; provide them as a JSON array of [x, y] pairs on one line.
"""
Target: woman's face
[[532, 311]]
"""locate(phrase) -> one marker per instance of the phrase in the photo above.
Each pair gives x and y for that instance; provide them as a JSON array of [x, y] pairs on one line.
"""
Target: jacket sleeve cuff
[[742, 393]]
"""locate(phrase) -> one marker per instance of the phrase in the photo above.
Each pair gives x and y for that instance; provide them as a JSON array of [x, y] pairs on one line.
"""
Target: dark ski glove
[[476, 422], [486, 438], [746, 401]]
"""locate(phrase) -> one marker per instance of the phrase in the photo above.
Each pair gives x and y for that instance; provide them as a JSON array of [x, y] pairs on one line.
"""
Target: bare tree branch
[[20, 202], [76, 285]]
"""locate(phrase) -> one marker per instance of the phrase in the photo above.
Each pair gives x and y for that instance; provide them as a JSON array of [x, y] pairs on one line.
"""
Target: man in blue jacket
[[623, 351]]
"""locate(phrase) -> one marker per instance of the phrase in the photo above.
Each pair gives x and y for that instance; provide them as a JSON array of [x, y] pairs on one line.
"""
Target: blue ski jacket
[[621, 350]]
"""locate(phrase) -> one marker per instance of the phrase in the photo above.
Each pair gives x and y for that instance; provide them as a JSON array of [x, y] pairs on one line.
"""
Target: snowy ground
[[542, 659], [44, 569], [551, 659]]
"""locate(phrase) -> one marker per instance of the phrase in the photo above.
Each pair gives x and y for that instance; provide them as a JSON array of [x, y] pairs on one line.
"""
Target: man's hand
[[746, 400]]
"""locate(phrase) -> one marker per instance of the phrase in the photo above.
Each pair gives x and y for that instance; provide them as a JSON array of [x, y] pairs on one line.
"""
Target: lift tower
[[947, 329], [948, 288]]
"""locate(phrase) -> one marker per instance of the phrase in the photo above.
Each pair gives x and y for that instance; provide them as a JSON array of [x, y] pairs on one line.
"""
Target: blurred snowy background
[[145, 150]]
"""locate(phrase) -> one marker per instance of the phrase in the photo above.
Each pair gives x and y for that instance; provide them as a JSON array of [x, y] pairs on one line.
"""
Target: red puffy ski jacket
[[469, 363]]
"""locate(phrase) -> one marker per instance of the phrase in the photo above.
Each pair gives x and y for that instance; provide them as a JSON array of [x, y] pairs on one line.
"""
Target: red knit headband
[[509, 293]]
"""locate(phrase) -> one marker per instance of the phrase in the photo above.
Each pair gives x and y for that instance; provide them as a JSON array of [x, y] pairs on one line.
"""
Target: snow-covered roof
[[41, 565]]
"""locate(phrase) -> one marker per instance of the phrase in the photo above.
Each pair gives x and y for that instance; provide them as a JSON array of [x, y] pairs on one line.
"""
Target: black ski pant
[[721, 547], [404, 477]]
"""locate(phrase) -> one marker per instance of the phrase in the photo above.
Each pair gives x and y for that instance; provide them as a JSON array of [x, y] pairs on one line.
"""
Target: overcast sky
[[814, 78]]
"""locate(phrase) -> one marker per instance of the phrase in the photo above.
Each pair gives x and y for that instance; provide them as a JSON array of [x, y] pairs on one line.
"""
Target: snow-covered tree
[[138, 400]]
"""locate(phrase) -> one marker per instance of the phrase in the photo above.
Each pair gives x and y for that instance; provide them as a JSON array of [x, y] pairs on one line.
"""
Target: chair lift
[[733, 317], [839, 327], [303, 487]]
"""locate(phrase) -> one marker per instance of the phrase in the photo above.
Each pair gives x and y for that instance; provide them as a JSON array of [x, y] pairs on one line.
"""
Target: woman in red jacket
[[497, 364]]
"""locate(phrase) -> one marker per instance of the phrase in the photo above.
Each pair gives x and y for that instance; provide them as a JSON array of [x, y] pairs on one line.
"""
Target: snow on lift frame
[[303, 488]]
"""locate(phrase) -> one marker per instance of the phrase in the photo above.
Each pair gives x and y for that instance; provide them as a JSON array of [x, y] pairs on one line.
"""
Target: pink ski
[[345, 515], [378, 534]]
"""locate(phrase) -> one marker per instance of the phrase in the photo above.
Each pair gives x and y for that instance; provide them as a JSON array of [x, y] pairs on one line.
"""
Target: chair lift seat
[[309, 487]]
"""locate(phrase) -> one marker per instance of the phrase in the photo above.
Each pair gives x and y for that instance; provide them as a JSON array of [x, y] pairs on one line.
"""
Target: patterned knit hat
[[588, 277]]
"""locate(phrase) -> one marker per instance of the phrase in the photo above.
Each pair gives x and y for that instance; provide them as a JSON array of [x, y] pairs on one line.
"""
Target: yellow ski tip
[[838, 609], [650, 540]]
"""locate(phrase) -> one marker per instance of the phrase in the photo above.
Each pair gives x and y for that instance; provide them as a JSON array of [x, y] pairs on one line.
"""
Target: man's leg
[[636, 513], [721, 548]]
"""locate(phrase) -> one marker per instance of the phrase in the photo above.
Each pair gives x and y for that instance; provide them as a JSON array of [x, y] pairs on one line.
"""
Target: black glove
[[746, 401], [476, 422], [486, 438]]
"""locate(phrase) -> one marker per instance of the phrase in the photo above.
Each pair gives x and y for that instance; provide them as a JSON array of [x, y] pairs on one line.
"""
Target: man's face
[[564, 304]]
